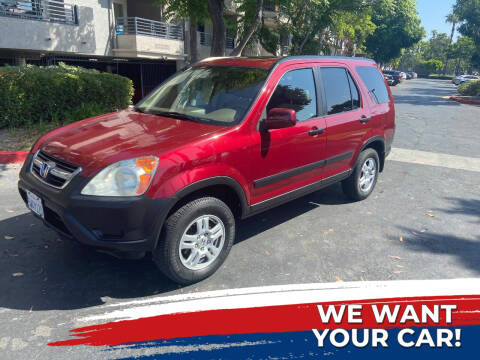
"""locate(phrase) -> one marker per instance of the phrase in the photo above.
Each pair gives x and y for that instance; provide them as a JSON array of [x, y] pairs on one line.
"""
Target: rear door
[[347, 118], [285, 159]]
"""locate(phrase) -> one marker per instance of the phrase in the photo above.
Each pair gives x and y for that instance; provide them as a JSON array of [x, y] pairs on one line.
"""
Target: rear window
[[375, 83]]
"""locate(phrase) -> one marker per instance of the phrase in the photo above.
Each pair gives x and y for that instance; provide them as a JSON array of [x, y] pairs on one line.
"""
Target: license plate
[[35, 204]]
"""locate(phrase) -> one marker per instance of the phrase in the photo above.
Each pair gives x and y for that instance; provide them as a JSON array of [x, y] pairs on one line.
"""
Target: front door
[[285, 159]]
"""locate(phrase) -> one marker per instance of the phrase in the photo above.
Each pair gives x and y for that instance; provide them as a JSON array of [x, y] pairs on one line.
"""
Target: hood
[[97, 142]]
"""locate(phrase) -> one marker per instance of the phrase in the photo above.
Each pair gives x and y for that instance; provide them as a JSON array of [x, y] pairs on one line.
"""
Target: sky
[[432, 13]]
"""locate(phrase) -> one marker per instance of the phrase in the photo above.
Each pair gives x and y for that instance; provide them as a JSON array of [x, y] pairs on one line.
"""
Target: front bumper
[[119, 223]]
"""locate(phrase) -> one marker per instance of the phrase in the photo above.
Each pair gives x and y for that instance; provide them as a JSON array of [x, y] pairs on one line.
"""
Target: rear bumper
[[119, 223]]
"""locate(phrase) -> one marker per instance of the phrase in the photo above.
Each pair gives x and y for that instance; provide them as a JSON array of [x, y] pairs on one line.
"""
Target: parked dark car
[[390, 79], [397, 75], [222, 140]]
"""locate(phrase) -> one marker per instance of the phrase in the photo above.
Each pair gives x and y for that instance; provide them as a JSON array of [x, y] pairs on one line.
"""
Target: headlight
[[124, 178]]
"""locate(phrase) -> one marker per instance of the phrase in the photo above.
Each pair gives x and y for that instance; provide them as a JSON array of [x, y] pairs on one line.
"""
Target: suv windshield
[[213, 94]]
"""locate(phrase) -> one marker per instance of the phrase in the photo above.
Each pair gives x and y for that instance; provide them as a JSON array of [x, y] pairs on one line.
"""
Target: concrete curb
[[465, 101], [13, 157]]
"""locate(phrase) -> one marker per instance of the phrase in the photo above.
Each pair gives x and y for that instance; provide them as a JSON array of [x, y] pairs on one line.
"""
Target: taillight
[[399, 76]]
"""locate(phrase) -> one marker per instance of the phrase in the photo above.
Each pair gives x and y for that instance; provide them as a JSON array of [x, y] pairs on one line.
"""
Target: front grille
[[52, 171]]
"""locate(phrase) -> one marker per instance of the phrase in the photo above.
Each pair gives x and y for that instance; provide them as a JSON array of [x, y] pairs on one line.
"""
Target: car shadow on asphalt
[[332, 195], [465, 249], [3, 168], [40, 271]]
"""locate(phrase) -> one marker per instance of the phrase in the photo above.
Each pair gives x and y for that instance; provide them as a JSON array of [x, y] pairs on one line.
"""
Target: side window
[[296, 90], [375, 83], [337, 89], [354, 92]]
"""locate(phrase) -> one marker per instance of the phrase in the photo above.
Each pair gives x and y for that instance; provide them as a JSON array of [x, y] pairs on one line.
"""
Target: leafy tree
[[199, 11], [250, 15], [433, 66], [195, 10], [468, 11], [397, 27], [410, 58], [309, 21], [462, 53], [436, 47], [352, 29]]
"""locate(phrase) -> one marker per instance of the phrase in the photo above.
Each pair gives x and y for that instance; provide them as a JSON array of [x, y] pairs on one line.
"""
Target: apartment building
[[128, 37]]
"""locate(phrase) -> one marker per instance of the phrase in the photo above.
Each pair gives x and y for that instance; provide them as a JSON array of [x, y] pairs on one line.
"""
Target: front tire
[[364, 177], [195, 241]]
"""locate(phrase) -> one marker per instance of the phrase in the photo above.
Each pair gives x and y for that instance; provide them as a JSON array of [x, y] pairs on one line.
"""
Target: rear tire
[[196, 240], [361, 183]]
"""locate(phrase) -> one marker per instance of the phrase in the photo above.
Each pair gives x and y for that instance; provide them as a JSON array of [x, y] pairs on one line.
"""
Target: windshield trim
[[205, 120]]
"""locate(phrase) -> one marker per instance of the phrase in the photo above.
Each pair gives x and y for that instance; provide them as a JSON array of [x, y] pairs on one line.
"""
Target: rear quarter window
[[375, 83]]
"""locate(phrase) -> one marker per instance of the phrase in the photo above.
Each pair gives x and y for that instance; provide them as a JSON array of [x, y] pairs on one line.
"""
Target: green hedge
[[441, 77], [470, 88], [33, 94]]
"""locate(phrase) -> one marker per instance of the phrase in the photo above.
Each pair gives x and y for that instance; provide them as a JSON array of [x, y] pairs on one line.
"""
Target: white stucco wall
[[149, 46], [93, 35]]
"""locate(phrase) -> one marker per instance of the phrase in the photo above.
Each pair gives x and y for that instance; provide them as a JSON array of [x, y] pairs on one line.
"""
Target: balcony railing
[[230, 43], [270, 5], [206, 40], [140, 26], [50, 11]]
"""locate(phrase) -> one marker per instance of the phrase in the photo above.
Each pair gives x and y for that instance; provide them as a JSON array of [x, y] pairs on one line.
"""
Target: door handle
[[364, 119], [315, 131]]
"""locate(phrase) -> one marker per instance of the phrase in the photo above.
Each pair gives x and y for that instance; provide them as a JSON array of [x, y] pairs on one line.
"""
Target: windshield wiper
[[172, 114], [178, 115], [137, 109]]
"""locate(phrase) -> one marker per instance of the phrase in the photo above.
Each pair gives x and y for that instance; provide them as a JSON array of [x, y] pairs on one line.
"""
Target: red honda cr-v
[[221, 140]]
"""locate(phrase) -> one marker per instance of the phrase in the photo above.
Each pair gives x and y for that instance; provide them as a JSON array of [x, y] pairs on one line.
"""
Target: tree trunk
[[256, 23], [193, 41], [219, 31], [451, 40], [453, 31], [307, 35]]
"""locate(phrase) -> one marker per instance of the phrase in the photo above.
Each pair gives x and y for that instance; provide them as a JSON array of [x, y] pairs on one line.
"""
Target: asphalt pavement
[[421, 222]]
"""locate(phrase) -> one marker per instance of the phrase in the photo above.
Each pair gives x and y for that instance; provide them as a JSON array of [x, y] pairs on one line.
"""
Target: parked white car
[[464, 78]]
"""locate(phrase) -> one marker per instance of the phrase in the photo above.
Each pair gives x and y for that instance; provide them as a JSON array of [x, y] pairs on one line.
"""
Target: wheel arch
[[225, 188], [218, 185], [377, 143]]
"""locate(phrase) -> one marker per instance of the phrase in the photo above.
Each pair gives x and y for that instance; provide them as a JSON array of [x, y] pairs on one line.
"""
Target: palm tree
[[451, 18]]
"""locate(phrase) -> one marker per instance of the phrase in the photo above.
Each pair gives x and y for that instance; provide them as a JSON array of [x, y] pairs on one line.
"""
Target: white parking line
[[435, 159]]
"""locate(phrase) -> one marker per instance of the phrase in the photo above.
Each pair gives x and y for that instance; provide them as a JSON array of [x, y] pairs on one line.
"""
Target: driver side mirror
[[279, 118]]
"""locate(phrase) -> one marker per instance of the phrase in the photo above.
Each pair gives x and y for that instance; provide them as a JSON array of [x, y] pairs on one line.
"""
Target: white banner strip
[[282, 295]]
